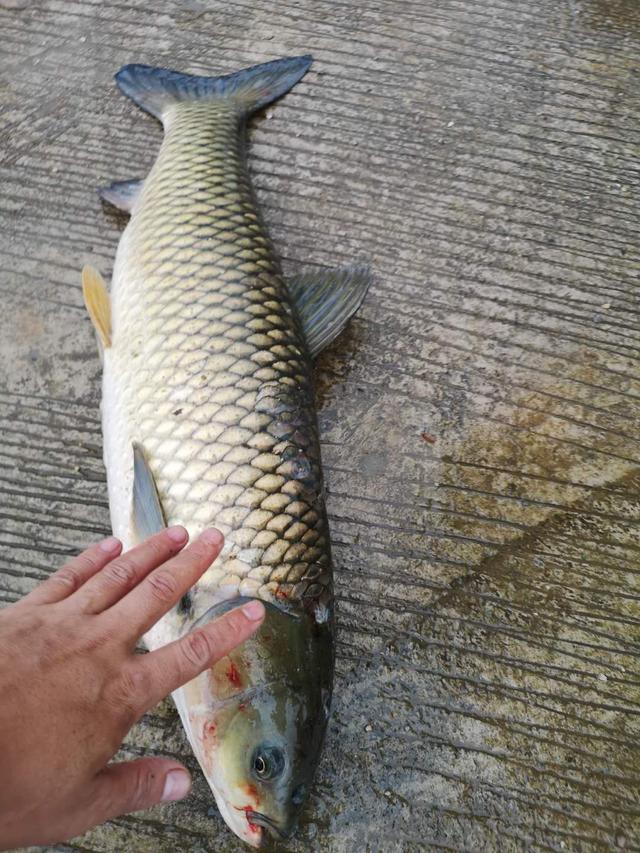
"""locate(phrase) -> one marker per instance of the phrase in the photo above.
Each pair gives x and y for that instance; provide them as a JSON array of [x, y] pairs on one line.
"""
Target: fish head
[[258, 722], [266, 758]]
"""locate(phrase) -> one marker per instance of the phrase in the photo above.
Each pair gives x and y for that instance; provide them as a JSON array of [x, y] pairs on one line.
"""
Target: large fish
[[208, 419]]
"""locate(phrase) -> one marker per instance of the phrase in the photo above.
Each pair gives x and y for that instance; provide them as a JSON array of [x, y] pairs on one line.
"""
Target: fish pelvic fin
[[326, 301], [157, 89], [122, 194], [147, 514], [98, 303]]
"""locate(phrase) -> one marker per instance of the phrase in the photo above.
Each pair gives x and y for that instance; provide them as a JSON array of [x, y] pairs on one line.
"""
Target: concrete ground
[[480, 418]]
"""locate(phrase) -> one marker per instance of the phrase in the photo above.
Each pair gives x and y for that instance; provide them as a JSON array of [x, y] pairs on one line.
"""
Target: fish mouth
[[259, 819]]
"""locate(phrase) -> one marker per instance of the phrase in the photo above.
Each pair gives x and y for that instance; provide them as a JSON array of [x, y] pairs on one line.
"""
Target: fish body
[[208, 420]]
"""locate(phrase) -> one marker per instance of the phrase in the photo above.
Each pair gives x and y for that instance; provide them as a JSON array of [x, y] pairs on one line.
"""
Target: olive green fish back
[[214, 369]]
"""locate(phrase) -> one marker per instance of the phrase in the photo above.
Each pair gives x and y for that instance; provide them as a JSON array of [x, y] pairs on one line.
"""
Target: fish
[[208, 419]]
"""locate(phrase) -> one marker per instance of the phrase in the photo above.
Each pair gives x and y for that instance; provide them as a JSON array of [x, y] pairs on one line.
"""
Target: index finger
[[165, 586], [177, 663], [107, 587]]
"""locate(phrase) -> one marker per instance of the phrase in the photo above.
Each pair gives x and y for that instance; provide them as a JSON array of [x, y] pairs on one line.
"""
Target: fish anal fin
[[326, 301], [98, 303]]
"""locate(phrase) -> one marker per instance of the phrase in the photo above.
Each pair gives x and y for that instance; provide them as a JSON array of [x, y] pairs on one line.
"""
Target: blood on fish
[[209, 743], [233, 675], [252, 826], [242, 706], [252, 791]]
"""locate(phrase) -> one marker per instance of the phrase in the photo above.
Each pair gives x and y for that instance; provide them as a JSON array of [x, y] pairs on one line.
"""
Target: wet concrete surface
[[479, 418]]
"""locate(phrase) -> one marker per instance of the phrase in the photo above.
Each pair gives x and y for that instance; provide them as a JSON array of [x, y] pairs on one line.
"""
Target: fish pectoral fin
[[121, 194], [326, 301], [98, 303], [147, 514]]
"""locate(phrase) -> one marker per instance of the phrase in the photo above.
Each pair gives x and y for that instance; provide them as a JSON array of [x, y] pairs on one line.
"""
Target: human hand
[[71, 684]]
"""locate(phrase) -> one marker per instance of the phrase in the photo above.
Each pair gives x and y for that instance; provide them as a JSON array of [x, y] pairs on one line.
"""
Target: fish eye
[[267, 763]]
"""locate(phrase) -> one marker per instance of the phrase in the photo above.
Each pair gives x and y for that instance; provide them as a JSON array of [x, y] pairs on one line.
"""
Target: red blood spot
[[209, 735], [233, 675], [252, 791], [252, 826], [210, 744], [282, 593], [241, 706]]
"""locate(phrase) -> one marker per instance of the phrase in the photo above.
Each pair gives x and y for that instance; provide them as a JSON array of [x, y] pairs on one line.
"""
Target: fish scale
[[209, 420], [213, 368]]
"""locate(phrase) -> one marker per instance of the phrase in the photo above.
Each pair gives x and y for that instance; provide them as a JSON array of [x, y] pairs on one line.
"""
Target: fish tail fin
[[157, 89]]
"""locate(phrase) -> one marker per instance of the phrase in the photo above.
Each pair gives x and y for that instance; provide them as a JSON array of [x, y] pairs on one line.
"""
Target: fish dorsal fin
[[327, 300], [146, 511], [98, 303], [122, 194]]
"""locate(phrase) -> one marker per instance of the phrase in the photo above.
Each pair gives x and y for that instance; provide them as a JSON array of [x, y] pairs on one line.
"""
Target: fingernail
[[176, 786], [110, 544], [177, 534], [212, 536], [254, 610]]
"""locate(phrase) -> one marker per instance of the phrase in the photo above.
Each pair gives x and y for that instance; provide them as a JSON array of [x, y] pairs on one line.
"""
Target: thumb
[[135, 785]]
